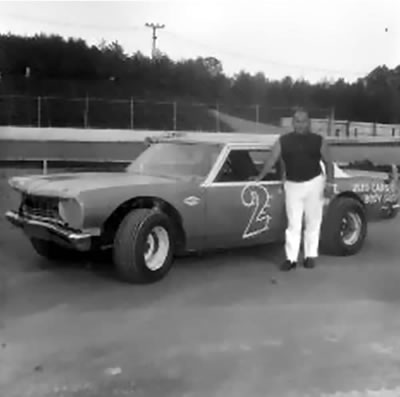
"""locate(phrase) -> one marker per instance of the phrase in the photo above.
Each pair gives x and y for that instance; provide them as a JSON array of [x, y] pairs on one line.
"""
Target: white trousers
[[304, 199]]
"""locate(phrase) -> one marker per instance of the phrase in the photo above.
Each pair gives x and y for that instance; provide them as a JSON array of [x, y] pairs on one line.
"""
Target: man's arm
[[272, 159], [327, 159]]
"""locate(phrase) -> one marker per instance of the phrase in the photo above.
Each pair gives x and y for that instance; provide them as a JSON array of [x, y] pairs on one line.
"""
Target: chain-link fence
[[133, 113], [139, 114]]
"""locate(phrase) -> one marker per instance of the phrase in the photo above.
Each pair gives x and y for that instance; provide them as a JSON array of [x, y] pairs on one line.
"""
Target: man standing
[[305, 186]]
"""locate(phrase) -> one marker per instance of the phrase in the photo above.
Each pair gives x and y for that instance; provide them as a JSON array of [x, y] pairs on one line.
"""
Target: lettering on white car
[[375, 193], [371, 188]]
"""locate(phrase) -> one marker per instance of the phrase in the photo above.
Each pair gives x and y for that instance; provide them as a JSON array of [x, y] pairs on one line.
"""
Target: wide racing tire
[[143, 246], [344, 227]]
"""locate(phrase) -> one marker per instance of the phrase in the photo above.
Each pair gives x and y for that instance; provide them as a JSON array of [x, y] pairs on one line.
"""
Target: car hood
[[72, 184]]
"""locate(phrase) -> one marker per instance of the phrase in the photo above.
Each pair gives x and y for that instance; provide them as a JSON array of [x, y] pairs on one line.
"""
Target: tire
[[337, 237], [52, 251], [140, 231]]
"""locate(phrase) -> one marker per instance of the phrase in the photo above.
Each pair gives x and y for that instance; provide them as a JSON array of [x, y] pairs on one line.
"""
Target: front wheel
[[344, 228], [143, 246]]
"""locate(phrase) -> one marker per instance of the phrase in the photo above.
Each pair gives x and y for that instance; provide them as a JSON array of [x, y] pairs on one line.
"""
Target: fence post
[[257, 116], [86, 114], [331, 121], [39, 110], [174, 115], [45, 167], [132, 113], [9, 111], [217, 118]]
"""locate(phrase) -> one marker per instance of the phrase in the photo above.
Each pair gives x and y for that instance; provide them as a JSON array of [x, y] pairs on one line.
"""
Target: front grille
[[45, 207]]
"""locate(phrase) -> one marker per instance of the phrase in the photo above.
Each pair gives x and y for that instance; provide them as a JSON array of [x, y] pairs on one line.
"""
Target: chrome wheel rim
[[351, 228], [156, 248]]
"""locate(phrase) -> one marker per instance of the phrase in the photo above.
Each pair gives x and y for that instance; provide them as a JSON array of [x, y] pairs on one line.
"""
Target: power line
[[74, 24], [180, 37], [154, 28], [263, 60]]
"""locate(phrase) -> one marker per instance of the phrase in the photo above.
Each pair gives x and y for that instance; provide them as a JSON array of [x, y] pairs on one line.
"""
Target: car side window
[[259, 157], [242, 165]]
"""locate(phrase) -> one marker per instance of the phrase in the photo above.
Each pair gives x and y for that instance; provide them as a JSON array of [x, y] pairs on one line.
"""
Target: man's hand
[[256, 178], [272, 159]]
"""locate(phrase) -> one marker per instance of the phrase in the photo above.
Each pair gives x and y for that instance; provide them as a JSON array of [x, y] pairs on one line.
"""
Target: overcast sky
[[310, 39]]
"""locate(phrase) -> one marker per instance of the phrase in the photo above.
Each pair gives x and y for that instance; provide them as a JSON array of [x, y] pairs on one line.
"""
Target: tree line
[[52, 65]]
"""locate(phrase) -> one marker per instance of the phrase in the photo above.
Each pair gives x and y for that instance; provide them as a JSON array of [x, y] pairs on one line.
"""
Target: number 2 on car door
[[257, 199]]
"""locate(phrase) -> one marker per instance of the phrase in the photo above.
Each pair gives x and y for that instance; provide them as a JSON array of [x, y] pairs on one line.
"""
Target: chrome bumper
[[49, 231]]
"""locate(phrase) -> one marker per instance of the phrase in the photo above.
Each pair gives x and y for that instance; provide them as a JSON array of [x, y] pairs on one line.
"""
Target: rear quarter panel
[[374, 193]]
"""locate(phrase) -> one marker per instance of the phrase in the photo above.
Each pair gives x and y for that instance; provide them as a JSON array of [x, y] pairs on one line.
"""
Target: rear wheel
[[144, 246], [344, 228]]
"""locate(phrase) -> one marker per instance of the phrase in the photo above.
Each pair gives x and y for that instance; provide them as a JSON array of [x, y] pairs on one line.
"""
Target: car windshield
[[176, 159]]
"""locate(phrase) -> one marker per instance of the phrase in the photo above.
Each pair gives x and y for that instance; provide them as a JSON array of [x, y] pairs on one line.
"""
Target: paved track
[[223, 325]]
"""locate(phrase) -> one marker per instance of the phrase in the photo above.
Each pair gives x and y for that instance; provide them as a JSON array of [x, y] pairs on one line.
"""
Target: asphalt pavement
[[226, 324]]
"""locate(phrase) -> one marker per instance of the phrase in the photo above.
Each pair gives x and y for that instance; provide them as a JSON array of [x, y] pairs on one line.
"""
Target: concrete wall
[[69, 144], [24, 144], [74, 134]]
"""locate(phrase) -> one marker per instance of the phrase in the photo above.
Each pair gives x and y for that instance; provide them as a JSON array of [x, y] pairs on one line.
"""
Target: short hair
[[300, 109]]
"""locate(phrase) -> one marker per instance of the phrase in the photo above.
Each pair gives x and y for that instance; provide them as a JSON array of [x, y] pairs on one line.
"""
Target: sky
[[308, 39]]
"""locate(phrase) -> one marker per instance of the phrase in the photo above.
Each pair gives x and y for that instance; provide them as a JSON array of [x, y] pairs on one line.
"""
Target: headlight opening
[[71, 212]]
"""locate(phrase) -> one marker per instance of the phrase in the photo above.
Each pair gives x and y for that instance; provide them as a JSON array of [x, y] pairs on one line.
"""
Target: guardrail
[[121, 135], [73, 134], [47, 145]]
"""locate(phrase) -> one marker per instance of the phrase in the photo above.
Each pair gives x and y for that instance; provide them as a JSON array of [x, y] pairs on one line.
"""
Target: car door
[[240, 212]]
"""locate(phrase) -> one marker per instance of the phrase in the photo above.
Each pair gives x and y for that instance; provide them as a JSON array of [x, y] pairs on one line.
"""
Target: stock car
[[187, 192]]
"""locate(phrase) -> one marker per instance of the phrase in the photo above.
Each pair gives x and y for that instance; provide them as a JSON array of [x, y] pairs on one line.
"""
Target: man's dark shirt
[[301, 155]]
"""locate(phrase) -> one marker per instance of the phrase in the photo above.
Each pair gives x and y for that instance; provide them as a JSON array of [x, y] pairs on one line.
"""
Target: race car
[[188, 192]]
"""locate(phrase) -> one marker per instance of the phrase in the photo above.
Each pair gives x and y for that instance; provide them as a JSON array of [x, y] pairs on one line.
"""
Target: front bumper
[[389, 210], [48, 231]]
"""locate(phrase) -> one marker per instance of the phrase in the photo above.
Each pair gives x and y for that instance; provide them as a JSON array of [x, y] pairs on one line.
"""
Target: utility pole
[[154, 27]]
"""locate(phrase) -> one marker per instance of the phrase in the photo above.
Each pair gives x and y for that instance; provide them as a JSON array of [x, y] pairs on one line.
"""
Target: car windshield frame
[[151, 160]]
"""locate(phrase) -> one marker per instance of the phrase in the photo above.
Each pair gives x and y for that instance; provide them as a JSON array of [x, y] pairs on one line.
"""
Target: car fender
[[184, 199], [111, 224]]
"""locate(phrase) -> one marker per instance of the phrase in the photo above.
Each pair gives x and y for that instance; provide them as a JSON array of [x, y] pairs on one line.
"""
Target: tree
[[212, 65], [71, 67]]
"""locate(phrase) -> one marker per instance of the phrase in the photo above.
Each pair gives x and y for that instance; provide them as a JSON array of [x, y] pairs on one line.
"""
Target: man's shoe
[[287, 265], [309, 263]]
